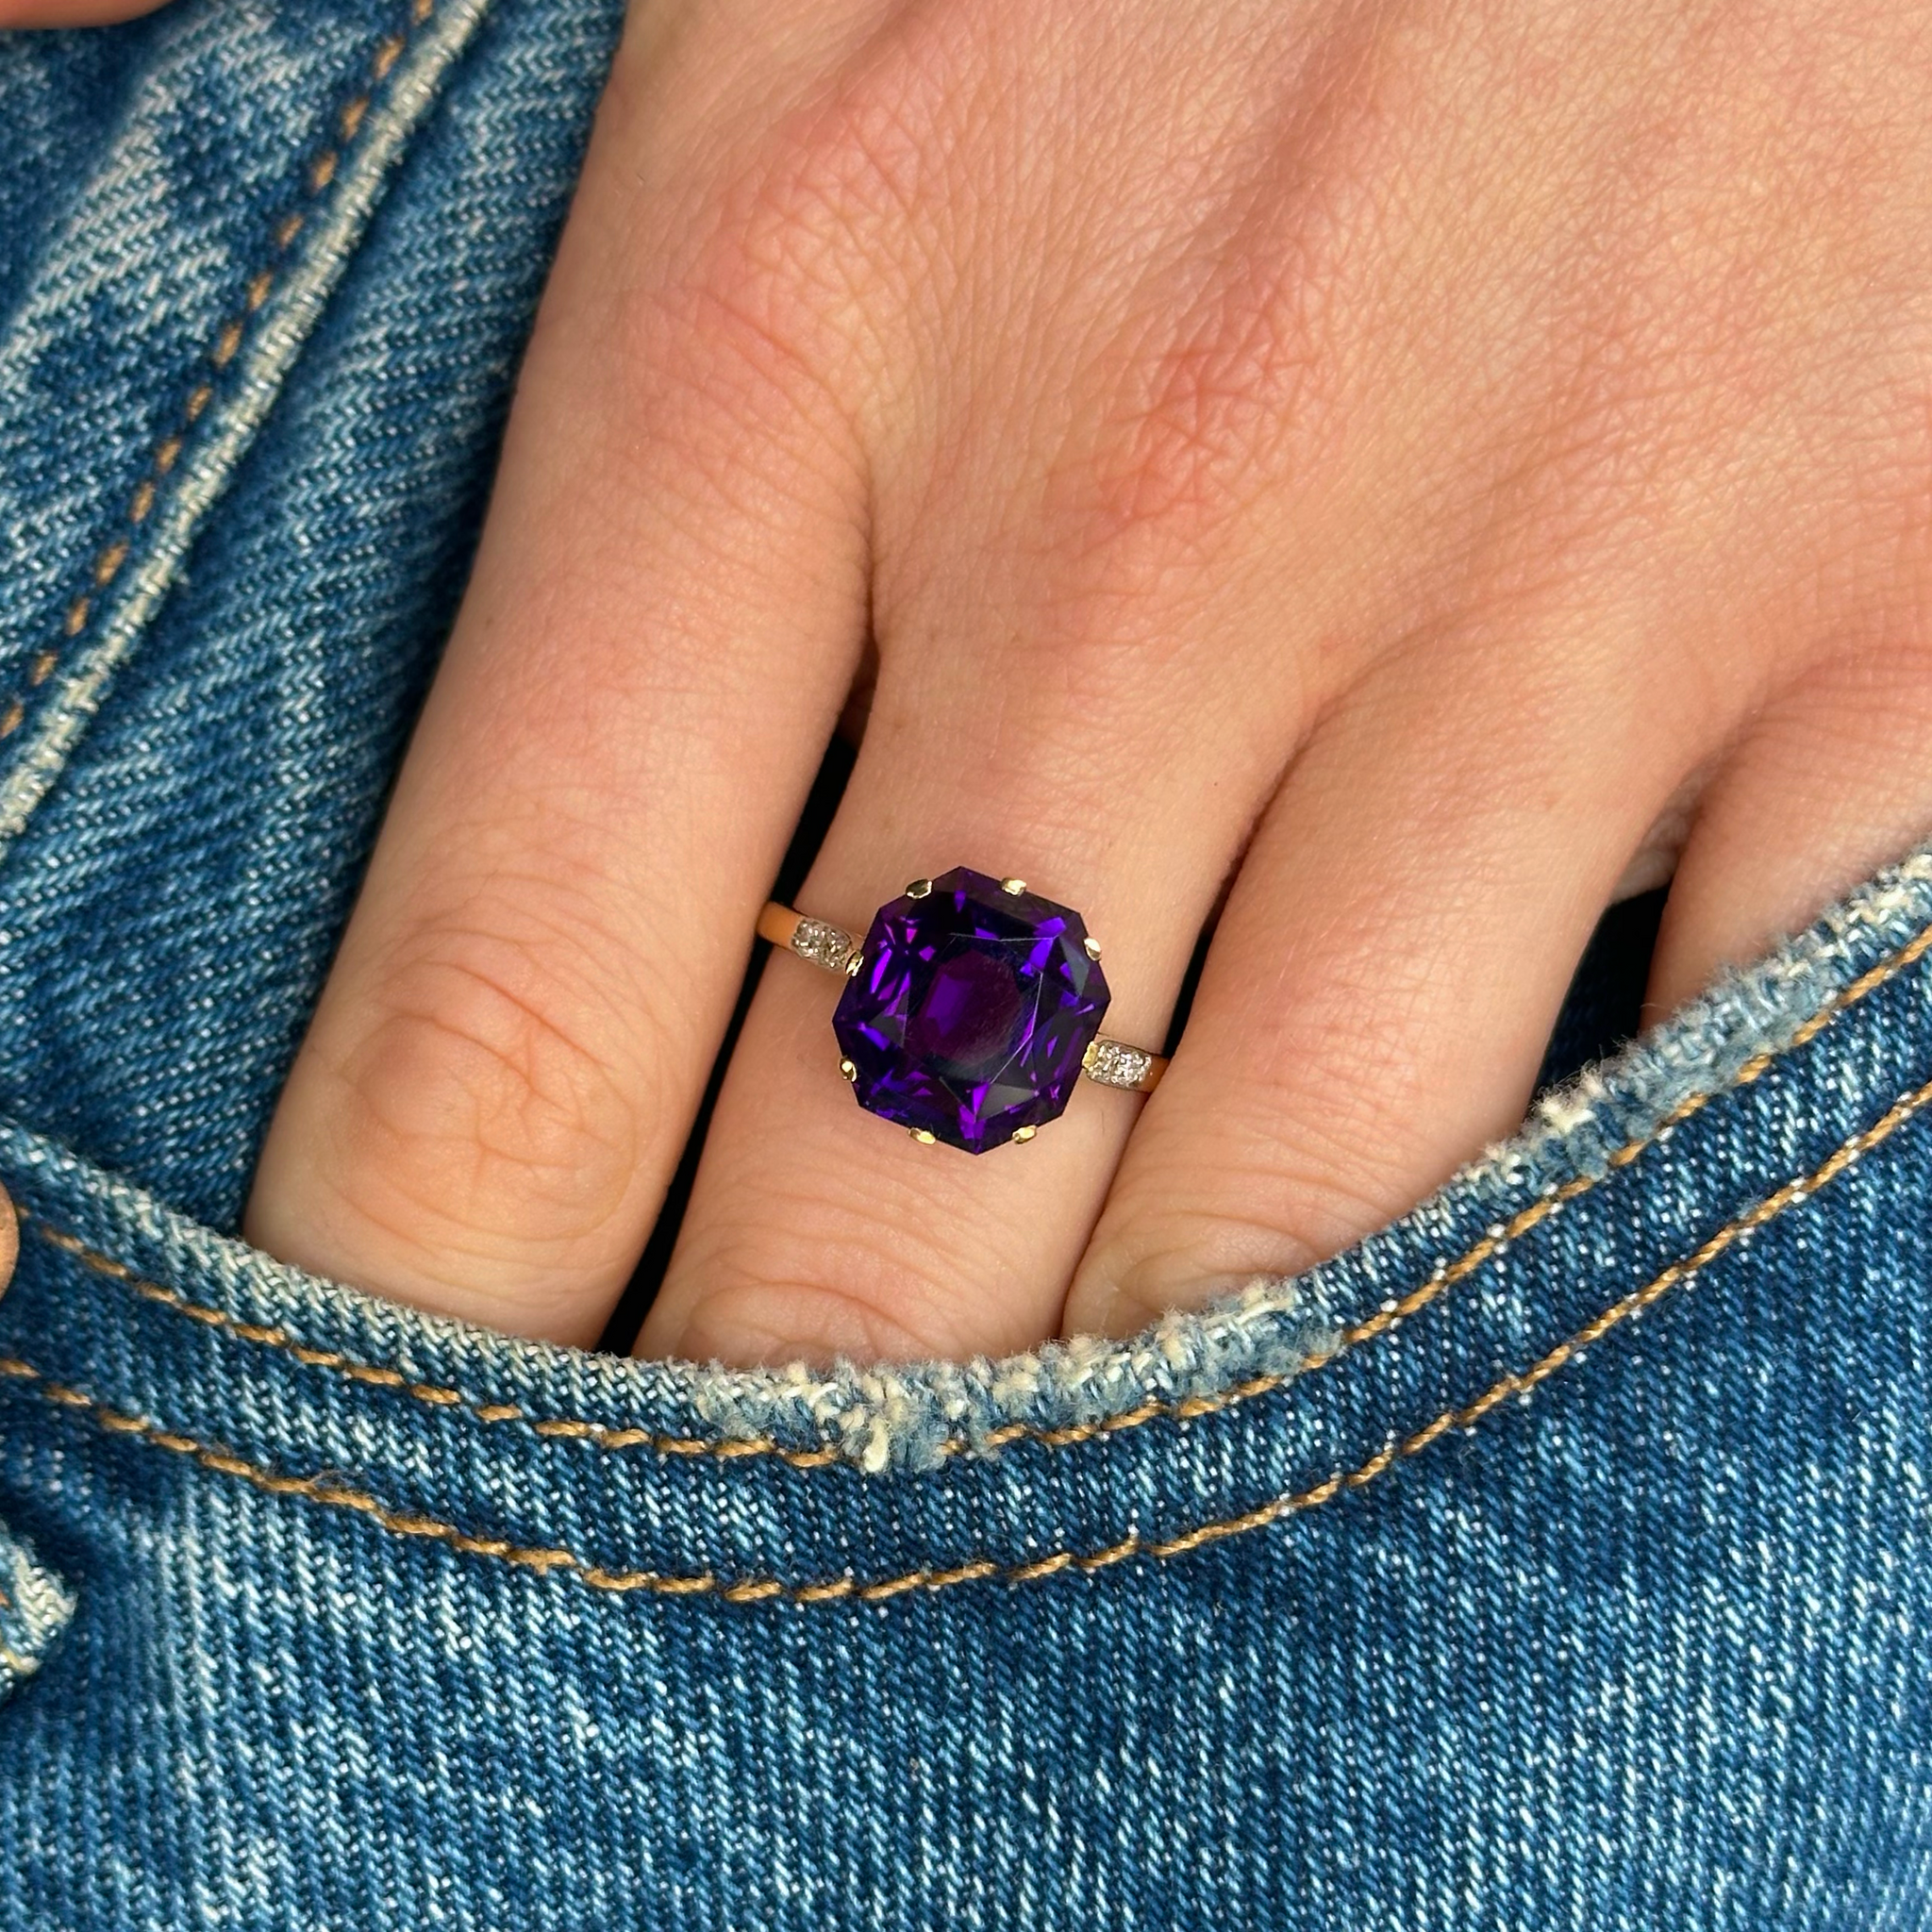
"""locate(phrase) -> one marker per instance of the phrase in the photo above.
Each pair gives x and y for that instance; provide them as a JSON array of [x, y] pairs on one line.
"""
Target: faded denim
[[1560, 1557]]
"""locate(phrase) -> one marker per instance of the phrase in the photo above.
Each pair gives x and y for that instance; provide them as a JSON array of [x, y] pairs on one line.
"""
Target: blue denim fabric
[[1559, 1558]]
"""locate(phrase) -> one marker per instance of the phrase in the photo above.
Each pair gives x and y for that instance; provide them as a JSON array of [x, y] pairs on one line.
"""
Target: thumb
[[70, 12], [10, 1239]]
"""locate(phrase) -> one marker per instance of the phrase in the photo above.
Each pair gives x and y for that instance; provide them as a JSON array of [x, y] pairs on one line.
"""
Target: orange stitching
[[20, 1666], [762, 1589], [227, 342], [603, 1435], [1445, 1275]]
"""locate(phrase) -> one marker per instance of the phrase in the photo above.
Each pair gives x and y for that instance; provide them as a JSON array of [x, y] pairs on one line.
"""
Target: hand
[[1423, 465]]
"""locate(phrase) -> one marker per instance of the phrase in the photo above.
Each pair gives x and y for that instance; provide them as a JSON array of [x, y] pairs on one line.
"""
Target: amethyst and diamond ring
[[970, 1008]]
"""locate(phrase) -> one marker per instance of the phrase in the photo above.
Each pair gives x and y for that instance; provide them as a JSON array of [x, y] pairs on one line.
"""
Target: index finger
[[665, 617]]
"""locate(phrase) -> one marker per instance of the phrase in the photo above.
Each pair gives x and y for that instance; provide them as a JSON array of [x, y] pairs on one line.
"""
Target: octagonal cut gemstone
[[971, 1010]]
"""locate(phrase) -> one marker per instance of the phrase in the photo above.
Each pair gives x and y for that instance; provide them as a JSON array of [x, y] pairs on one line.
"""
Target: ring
[[970, 1008]]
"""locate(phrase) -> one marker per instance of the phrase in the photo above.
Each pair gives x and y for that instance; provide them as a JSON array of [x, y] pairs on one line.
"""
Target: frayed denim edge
[[911, 1417], [1575, 1129]]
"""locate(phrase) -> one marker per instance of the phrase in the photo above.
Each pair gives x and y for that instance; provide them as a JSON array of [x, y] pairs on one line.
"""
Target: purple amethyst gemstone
[[971, 1010]]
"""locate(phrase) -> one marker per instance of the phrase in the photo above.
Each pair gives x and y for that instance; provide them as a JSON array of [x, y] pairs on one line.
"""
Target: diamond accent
[[829, 946], [1113, 1063]]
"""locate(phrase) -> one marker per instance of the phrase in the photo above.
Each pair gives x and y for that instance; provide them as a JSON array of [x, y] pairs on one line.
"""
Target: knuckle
[[812, 210], [1223, 386], [1193, 427], [793, 292], [862, 172], [744, 352], [480, 1099]]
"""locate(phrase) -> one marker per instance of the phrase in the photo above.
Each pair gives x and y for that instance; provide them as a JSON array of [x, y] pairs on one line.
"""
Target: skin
[[1422, 470]]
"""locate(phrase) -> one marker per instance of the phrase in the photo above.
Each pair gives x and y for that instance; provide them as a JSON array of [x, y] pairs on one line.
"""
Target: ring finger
[[815, 1230]]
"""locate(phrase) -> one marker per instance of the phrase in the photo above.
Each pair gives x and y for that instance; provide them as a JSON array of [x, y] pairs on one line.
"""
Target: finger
[[665, 617], [15, 13], [1831, 783], [1381, 985], [816, 1230]]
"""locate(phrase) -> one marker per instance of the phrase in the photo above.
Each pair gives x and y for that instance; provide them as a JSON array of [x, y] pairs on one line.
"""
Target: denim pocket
[[1559, 1558], [1562, 1556]]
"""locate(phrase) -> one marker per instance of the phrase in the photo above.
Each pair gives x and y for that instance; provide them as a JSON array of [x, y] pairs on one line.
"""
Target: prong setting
[[1092, 946], [1013, 886], [924, 1136], [919, 889], [1022, 1135], [848, 1070]]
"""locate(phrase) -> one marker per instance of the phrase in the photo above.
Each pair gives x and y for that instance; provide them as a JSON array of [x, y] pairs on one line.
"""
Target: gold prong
[[852, 964], [919, 889], [846, 1068], [922, 1135], [1092, 948], [1013, 886], [1025, 1133]]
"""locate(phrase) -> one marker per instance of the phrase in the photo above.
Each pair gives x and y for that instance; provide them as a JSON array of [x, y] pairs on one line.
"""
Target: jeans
[[1561, 1557]]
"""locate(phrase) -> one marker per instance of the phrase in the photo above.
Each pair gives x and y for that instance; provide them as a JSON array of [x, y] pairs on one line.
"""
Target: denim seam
[[355, 166], [1519, 1386], [1389, 1316]]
